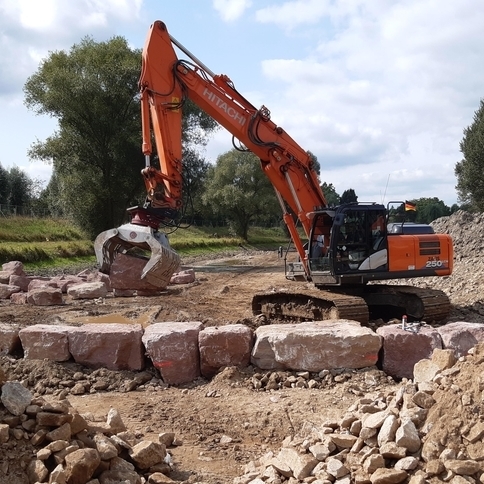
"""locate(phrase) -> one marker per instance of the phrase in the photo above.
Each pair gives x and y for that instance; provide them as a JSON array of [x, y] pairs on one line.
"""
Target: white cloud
[[290, 14], [231, 10], [29, 29], [392, 85]]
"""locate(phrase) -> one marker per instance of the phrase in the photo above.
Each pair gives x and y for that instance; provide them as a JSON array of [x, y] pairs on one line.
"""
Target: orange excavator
[[344, 248]]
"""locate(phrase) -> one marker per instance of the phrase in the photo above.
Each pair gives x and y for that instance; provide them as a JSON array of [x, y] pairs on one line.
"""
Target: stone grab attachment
[[163, 263]]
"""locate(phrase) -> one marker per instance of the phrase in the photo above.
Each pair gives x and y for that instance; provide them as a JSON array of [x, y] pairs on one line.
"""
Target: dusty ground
[[203, 412]]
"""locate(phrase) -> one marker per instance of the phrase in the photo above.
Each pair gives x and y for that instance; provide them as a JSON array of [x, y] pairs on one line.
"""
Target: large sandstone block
[[173, 349], [461, 336], [46, 296], [112, 346], [126, 273], [315, 346], [6, 290], [14, 267], [229, 345], [9, 339], [46, 341], [88, 290], [21, 281], [64, 282], [402, 349]]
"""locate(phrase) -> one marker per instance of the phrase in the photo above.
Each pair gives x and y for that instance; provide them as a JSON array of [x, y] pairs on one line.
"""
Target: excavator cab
[[347, 243]]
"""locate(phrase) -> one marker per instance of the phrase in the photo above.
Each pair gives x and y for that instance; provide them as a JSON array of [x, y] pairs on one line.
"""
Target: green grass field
[[49, 243]]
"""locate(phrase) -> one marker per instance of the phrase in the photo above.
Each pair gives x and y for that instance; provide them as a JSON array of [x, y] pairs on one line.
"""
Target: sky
[[379, 90]]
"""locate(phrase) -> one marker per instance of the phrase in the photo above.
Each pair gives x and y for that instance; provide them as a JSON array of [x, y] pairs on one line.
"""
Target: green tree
[[470, 182], [429, 209], [330, 193], [316, 165], [92, 91], [21, 187], [4, 186], [238, 189], [349, 196]]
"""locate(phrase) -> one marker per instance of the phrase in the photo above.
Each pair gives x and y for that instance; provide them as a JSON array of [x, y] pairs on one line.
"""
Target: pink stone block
[[126, 273], [14, 267], [18, 298], [223, 346], [46, 341], [461, 336], [173, 349], [113, 346], [47, 296], [402, 349], [6, 290], [20, 281], [9, 339]]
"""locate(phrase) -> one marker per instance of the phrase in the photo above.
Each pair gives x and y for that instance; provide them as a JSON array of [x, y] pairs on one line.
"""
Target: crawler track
[[310, 305], [359, 304]]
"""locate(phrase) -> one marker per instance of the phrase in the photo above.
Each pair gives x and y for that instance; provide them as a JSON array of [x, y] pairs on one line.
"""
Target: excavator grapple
[[162, 264]]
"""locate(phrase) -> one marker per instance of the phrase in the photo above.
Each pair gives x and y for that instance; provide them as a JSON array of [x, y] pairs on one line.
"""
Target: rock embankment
[[465, 286], [426, 430]]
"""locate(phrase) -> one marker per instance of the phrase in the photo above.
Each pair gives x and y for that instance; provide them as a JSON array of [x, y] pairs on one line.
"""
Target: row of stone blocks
[[182, 351]]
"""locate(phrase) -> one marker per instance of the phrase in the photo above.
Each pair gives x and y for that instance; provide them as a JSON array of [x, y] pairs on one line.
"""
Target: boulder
[[45, 341], [18, 298], [15, 397], [6, 290], [126, 273], [461, 336], [222, 346], [315, 346], [80, 465], [14, 267], [64, 282], [173, 349], [183, 277], [402, 349], [112, 345], [46, 296], [21, 281], [41, 283], [88, 290]]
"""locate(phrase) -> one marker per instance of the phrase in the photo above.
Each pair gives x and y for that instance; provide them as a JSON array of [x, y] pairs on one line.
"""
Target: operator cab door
[[359, 240]]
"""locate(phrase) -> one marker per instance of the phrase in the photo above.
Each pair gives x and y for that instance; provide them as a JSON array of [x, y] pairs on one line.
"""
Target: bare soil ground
[[203, 412]]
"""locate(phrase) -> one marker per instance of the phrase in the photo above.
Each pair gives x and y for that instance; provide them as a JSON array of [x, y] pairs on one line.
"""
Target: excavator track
[[358, 304], [310, 305], [429, 305]]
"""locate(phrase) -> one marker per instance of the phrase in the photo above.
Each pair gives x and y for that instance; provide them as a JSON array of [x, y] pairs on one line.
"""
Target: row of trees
[[17, 189], [92, 91]]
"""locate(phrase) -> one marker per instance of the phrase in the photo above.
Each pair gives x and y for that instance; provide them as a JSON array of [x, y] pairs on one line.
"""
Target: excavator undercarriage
[[359, 303]]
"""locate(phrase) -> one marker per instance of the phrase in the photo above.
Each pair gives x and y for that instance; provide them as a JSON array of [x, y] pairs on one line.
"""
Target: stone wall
[[184, 351]]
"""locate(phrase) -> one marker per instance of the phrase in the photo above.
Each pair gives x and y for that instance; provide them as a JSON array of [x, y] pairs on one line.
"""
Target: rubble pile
[[424, 431], [20, 288], [59, 445]]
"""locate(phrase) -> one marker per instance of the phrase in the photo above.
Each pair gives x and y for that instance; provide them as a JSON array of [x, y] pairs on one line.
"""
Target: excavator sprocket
[[419, 304], [358, 304]]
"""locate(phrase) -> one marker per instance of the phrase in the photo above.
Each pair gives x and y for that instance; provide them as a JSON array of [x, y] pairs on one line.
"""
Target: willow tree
[[92, 91], [470, 182]]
